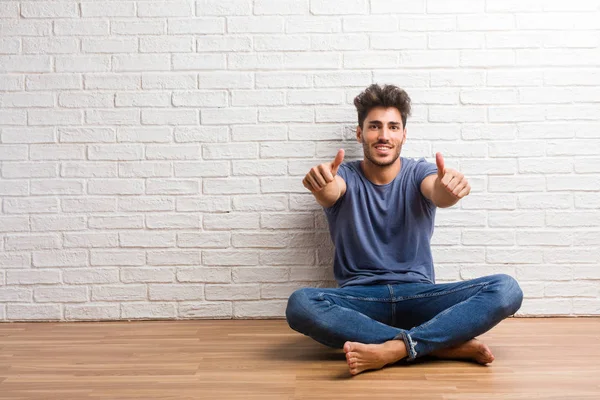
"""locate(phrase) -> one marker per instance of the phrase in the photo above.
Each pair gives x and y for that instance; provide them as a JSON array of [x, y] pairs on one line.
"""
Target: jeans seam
[[385, 300], [393, 318], [439, 293]]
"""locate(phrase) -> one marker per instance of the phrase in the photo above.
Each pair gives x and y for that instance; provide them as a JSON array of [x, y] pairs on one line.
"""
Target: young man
[[381, 214]]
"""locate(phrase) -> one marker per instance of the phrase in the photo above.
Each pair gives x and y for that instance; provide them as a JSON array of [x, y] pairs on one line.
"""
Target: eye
[[372, 126]]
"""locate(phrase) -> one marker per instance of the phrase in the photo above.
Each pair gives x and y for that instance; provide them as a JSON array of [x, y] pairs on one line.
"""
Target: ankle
[[396, 349]]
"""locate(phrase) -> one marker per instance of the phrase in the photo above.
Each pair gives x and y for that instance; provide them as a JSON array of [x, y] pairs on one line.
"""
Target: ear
[[358, 134], [404, 138]]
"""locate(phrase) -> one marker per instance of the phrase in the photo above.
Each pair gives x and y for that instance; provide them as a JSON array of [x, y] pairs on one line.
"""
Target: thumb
[[439, 160], [337, 161]]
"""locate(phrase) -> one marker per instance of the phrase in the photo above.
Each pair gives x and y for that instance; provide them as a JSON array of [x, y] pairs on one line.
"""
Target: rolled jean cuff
[[410, 345]]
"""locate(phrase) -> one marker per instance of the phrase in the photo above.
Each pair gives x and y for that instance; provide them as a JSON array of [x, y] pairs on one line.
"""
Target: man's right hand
[[323, 174]]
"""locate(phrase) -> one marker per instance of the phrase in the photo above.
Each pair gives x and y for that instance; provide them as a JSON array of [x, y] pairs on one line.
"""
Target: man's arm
[[324, 183], [447, 187]]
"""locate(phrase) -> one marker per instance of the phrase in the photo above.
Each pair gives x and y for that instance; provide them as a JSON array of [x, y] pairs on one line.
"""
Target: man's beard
[[371, 158]]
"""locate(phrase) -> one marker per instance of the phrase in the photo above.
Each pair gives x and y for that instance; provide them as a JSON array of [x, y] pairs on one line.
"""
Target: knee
[[296, 311], [509, 294]]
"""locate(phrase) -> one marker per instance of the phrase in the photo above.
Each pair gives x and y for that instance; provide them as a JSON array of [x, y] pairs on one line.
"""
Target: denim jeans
[[427, 317]]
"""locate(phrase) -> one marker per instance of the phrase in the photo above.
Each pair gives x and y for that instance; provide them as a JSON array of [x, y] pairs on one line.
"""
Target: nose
[[384, 133]]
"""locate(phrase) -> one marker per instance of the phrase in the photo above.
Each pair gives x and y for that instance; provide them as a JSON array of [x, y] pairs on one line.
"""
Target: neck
[[381, 175]]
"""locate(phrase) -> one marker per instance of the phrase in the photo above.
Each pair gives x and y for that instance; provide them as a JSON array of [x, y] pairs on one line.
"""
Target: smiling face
[[382, 136]]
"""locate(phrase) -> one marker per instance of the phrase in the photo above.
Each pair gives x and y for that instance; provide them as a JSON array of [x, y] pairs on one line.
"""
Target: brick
[[88, 170], [204, 98], [172, 186], [147, 275], [489, 132], [286, 221], [178, 292], [15, 260], [116, 222], [203, 134], [119, 293], [117, 82], [27, 135], [60, 258], [115, 152], [91, 276], [152, 203], [199, 26], [141, 62], [30, 205], [167, 44], [146, 239], [255, 61], [286, 114], [33, 312], [14, 224], [82, 27], [92, 312], [260, 203], [320, 7], [82, 99], [259, 309], [260, 274], [30, 242], [230, 151], [113, 45], [204, 239], [54, 117], [138, 27], [174, 221], [204, 203], [165, 9], [90, 240], [204, 274], [57, 223], [232, 292], [312, 24], [230, 221], [25, 63], [49, 9], [172, 152], [202, 169], [284, 80], [11, 83], [350, 41], [174, 257], [169, 81], [488, 238], [230, 185], [32, 277], [212, 310], [116, 186], [231, 43], [108, 9], [255, 24], [25, 28], [62, 294], [88, 205], [544, 201], [169, 117], [142, 134], [50, 46], [151, 311], [230, 257], [223, 7]]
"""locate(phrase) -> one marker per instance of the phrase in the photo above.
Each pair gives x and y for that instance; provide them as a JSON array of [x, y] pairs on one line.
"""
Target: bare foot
[[471, 350], [361, 357]]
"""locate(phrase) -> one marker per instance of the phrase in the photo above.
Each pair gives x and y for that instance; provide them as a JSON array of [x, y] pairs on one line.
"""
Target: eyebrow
[[379, 122]]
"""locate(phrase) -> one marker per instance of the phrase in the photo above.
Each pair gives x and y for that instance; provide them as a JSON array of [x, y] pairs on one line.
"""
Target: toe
[[347, 347]]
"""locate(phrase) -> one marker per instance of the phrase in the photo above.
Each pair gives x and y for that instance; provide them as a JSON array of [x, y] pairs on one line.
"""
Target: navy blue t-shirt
[[382, 233]]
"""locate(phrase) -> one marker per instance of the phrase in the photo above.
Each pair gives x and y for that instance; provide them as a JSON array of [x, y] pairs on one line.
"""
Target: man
[[381, 214]]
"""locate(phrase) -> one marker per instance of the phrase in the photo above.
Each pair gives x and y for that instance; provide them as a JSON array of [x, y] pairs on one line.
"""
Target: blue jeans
[[427, 317]]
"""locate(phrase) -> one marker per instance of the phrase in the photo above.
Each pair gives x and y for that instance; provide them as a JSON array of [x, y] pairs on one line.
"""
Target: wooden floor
[[557, 358]]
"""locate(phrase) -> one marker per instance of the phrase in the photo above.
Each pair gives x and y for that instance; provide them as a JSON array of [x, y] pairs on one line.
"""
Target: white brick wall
[[151, 152]]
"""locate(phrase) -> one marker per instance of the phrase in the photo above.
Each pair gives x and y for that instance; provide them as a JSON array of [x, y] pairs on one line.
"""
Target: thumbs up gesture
[[453, 181], [323, 174]]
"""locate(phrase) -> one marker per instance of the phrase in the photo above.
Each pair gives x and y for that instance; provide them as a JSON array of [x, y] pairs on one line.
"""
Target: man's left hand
[[453, 181]]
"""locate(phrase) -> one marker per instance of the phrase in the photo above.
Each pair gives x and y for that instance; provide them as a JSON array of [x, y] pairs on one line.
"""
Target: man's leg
[[334, 317], [444, 316]]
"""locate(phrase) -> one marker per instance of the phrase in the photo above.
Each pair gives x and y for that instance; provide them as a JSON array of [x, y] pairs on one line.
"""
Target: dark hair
[[382, 96]]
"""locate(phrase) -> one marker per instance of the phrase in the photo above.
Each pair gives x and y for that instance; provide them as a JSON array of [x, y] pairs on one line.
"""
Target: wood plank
[[549, 358]]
